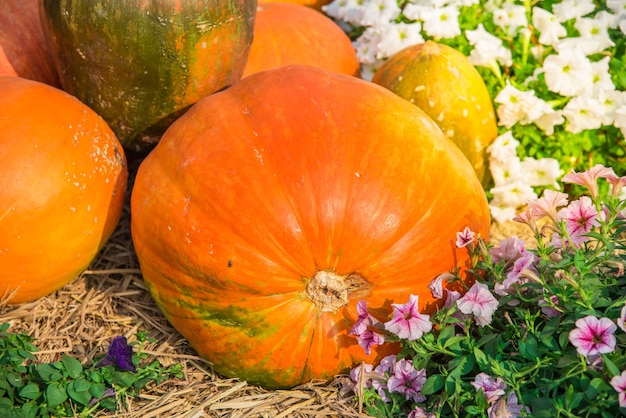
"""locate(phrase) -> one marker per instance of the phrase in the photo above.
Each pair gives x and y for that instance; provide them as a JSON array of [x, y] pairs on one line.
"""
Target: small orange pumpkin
[[62, 181], [269, 209], [442, 82], [24, 51], [287, 34]]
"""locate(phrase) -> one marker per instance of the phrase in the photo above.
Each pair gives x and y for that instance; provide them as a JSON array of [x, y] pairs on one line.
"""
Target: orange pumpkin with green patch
[[270, 209], [140, 64]]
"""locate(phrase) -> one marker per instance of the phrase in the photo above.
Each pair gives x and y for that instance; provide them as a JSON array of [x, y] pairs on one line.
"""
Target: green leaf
[[610, 366], [528, 348], [30, 391], [482, 360], [72, 366], [78, 391], [55, 394], [14, 379], [124, 379], [433, 384], [48, 373]]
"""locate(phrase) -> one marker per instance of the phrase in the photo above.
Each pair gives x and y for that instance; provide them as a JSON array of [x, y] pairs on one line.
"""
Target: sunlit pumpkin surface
[[62, 181], [287, 34], [270, 209]]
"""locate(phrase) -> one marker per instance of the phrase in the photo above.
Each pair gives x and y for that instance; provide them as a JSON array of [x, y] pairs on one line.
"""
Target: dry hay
[[110, 299]]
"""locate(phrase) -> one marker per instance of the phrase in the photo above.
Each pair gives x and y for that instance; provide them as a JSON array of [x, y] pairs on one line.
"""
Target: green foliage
[[67, 387], [527, 344]]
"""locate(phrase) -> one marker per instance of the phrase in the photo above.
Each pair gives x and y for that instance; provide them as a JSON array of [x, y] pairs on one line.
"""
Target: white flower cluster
[[588, 97]]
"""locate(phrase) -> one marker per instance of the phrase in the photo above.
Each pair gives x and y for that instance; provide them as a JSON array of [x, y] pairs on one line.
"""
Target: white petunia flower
[[601, 78], [488, 48], [348, 11], [510, 17], [515, 194], [610, 101], [550, 29], [441, 22], [549, 120], [379, 12], [572, 9], [582, 113], [568, 73], [366, 46], [594, 37], [542, 171], [514, 106], [397, 36], [505, 172], [501, 212], [503, 148], [617, 6]]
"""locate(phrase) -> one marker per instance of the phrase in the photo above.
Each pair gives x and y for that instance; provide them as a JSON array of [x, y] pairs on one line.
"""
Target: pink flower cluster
[[391, 376]]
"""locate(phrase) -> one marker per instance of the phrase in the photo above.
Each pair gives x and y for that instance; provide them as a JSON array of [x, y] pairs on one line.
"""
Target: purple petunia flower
[[120, 354], [407, 380]]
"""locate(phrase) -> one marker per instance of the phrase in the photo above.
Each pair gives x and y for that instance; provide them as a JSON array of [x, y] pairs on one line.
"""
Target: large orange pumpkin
[[294, 34], [442, 82], [270, 209], [24, 51], [62, 180]]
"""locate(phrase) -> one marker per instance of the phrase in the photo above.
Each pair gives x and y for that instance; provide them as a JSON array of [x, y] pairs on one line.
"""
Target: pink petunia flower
[[407, 380], [465, 237], [593, 336], [368, 339], [617, 183], [436, 285], [509, 249], [407, 323], [619, 384], [580, 217], [480, 302], [548, 204], [589, 178], [492, 388]]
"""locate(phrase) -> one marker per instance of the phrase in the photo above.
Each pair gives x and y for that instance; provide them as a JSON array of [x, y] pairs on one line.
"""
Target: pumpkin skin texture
[[270, 209], [62, 181], [442, 81], [24, 51], [313, 4], [287, 34], [140, 64]]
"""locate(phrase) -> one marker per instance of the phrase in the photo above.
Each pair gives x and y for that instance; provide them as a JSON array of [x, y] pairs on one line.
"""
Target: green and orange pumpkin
[[286, 34], [270, 209], [442, 82], [62, 181], [140, 64]]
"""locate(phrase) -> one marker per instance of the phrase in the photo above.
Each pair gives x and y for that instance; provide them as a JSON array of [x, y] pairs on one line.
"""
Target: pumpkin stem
[[329, 290]]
